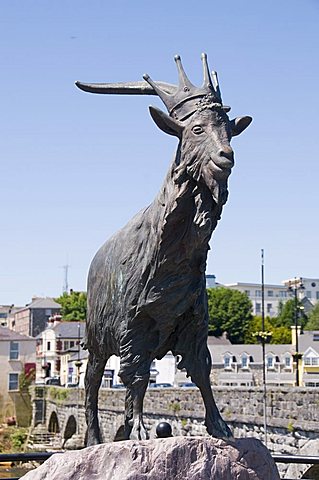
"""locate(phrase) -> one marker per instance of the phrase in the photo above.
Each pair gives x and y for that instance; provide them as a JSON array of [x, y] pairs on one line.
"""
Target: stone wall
[[292, 414]]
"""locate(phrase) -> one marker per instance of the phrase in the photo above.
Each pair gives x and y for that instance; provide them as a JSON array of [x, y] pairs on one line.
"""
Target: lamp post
[[293, 289], [78, 365]]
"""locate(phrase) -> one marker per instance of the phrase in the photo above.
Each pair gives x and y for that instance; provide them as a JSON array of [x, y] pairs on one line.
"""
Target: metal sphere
[[163, 430]]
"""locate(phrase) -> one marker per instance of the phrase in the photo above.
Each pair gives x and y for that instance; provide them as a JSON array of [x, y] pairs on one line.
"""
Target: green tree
[[73, 305], [279, 335], [286, 317], [313, 322], [229, 311]]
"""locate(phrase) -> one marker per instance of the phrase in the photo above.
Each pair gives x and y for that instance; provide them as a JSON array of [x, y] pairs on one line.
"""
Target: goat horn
[[125, 88]]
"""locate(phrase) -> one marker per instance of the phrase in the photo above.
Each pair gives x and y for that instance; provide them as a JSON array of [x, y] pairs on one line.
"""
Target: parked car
[[161, 385], [187, 385], [71, 385], [118, 386], [53, 381]]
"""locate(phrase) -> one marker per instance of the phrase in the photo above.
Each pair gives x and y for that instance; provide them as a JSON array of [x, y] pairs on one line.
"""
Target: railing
[[42, 456]]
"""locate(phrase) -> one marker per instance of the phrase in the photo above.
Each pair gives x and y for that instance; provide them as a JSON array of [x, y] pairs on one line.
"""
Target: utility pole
[[66, 274], [293, 287], [263, 342]]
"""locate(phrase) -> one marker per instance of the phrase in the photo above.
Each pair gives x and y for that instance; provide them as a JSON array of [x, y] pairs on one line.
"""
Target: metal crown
[[187, 98]]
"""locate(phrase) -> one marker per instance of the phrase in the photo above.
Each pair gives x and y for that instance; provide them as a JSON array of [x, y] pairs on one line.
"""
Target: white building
[[307, 288], [274, 295], [55, 345]]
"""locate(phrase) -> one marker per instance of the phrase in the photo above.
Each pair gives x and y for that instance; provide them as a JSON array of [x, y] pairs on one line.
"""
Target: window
[[308, 293], [287, 361], [14, 350], [66, 345], [312, 384], [317, 295], [227, 362], [48, 312], [48, 345], [13, 381], [258, 293], [270, 293], [269, 307], [71, 344], [283, 294], [270, 361], [248, 293], [244, 361], [258, 308], [311, 361]]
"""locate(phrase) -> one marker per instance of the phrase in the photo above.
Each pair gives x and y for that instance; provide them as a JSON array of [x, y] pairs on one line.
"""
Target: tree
[[279, 334], [229, 311], [313, 322], [286, 317], [73, 305]]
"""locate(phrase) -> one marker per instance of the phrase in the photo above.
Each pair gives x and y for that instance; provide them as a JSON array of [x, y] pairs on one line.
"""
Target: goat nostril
[[227, 153]]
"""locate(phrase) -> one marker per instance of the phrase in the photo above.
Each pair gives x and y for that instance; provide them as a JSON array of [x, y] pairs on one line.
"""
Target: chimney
[[293, 334], [54, 320]]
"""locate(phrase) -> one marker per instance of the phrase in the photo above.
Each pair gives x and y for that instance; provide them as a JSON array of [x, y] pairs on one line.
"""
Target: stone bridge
[[292, 416]]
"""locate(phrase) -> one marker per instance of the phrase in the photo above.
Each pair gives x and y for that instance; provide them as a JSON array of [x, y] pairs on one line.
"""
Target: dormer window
[[244, 361], [227, 361], [287, 361], [270, 361]]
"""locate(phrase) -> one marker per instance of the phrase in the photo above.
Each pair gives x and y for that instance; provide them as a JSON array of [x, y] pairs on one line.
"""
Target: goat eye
[[197, 129]]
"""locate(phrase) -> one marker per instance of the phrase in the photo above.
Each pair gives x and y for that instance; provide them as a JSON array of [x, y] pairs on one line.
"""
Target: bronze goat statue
[[146, 285]]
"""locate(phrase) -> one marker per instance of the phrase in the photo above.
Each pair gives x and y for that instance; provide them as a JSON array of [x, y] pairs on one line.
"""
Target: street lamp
[[293, 289]]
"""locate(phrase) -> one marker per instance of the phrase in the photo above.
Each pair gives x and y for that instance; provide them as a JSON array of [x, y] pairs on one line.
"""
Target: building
[[242, 365], [33, 318], [6, 314], [274, 295], [55, 345], [211, 281], [307, 288], [308, 343], [17, 356]]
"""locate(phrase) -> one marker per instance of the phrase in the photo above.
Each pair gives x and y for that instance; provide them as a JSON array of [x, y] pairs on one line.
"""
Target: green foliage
[[176, 407], [184, 422], [59, 394], [286, 317], [73, 305], [279, 335], [18, 438], [229, 311], [290, 427], [26, 380], [12, 439], [313, 322]]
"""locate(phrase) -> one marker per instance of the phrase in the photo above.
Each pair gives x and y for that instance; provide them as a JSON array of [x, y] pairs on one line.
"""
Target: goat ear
[[165, 122], [239, 124]]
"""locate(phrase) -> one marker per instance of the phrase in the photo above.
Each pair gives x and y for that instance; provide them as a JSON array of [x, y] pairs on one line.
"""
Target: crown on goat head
[[187, 98]]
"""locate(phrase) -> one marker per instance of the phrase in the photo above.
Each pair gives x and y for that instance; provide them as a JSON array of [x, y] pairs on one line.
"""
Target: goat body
[[146, 285]]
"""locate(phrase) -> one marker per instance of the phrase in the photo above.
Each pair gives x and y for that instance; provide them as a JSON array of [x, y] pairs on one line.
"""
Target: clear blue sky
[[75, 167]]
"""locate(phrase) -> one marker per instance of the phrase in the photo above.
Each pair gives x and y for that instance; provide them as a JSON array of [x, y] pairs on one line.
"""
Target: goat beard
[[202, 173], [218, 187]]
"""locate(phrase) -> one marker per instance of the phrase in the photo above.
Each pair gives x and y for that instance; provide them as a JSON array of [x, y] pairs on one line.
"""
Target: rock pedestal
[[175, 458]]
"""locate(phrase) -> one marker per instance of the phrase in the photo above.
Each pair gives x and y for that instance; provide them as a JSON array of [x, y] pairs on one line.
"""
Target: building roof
[[69, 329], [46, 302], [254, 351], [7, 335], [309, 338], [84, 354], [223, 340]]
